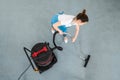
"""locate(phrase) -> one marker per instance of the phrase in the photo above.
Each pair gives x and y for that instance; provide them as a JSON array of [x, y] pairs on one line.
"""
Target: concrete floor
[[22, 23]]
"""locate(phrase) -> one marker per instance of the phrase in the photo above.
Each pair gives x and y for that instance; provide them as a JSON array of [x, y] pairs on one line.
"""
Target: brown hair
[[82, 16]]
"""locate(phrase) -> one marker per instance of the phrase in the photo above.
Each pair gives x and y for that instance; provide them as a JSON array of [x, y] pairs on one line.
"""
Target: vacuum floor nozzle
[[87, 60]]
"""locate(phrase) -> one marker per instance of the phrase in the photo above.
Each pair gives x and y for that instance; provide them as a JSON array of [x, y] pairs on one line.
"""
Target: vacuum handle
[[58, 47], [25, 50]]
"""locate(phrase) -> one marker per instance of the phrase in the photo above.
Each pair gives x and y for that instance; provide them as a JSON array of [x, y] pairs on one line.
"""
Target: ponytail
[[84, 11]]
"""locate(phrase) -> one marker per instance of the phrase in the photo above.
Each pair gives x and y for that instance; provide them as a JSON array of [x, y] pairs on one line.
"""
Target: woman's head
[[82, 18]]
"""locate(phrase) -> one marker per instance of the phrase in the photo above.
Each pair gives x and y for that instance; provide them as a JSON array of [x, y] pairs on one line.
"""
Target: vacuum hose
[[58, 47]]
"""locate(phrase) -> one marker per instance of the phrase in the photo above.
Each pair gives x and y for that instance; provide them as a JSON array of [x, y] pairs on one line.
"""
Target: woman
[[60, 23]]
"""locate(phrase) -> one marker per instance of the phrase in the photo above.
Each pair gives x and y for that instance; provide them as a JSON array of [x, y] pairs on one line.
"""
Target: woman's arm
[[76, 33], [55, 26]]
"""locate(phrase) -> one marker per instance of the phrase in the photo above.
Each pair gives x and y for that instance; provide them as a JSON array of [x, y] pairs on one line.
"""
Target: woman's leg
[[65, 38], [52, 30], [63, 28]]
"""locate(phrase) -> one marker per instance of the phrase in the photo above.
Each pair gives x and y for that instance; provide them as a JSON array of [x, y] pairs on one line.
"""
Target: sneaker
[[53, 31], [65, 39]]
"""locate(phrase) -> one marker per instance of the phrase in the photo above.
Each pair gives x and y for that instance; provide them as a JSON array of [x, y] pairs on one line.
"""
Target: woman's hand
[[60, 32], [56, 27], [73, 39]]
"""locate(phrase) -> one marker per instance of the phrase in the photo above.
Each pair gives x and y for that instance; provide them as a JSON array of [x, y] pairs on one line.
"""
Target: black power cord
[[24, 72]]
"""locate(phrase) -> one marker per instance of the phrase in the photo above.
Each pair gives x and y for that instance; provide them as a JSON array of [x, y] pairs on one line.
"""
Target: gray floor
[[26, 22]]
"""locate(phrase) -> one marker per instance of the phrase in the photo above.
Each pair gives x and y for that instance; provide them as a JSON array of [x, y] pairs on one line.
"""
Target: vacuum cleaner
[[42, 56]]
